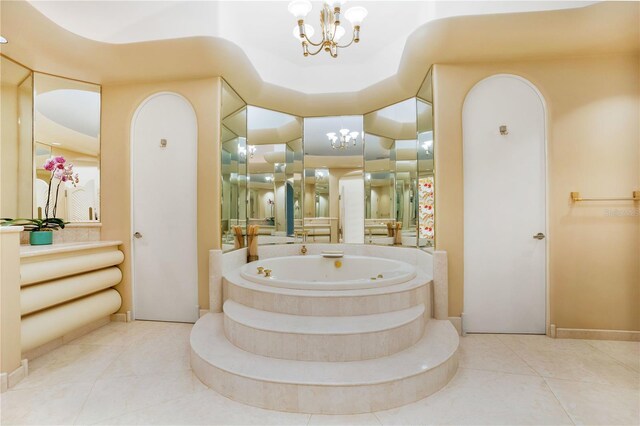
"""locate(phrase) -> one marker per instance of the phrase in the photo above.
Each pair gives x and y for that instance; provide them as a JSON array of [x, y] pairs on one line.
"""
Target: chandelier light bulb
[[344, 132], [331, 135], [356, 15], [354, 134], [308, 29], [339, 33], [300, 8]]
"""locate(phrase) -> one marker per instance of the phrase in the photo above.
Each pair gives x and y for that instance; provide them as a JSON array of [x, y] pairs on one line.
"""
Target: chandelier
[[330, 27], [242, 151], [341, 140]]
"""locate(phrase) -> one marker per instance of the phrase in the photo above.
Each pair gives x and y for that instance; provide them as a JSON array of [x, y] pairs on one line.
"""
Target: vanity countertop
[[31, 251]]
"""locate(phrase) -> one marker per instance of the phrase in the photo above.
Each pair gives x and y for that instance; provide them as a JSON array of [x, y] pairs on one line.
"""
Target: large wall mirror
[[334, 187], [335, 179], [426, 164], [16, 139], [392, 173], [274, 169], [46, 117], [66, 123], [233, 158]]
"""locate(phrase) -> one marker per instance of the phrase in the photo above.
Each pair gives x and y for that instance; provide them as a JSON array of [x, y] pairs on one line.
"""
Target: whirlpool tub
[[315, 272]]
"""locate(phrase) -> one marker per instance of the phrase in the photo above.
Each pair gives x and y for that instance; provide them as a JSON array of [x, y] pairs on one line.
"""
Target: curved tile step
[[324, 387], [326, 302], [309, 338]]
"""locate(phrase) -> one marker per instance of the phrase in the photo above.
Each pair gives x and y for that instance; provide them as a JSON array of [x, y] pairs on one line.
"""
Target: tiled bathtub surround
[[324, 350], [222, 263]]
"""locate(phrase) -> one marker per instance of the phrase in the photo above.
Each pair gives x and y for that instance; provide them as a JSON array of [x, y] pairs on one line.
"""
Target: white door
[[165, 277], [352, 209], [504, 207]]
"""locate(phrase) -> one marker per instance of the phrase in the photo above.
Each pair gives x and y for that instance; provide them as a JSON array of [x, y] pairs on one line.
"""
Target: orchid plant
[[60, 171]]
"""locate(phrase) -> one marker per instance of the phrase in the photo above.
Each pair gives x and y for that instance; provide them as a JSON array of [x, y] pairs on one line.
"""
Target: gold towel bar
[[635, 196]]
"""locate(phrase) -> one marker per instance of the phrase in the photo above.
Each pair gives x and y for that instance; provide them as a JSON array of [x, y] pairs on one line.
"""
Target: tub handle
[[267, 273], [260, 270]]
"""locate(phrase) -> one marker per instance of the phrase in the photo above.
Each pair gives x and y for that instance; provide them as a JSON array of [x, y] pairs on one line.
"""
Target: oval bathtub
[[314, 272]]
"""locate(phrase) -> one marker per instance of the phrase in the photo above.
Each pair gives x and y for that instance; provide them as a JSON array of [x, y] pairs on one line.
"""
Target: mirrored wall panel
[[274, 168], [392, 174], [334, 179], [233, 157], [426, 164], [16, 140], [66, 151]]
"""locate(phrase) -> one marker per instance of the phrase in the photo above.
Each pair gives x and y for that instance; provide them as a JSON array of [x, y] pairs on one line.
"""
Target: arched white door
[[504, 207], [164, 188]]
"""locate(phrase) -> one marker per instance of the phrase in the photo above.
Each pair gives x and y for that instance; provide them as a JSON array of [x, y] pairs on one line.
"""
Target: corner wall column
[[10, 347]]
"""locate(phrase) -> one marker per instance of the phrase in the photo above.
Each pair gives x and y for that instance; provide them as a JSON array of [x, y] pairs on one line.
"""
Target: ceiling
[[263, 30], [260, 62]]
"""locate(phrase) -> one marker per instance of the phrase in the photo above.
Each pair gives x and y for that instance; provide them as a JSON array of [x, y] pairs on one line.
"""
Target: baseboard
[[457, 323], [593, 334], [56, 343], [121, 317], [9, 380]]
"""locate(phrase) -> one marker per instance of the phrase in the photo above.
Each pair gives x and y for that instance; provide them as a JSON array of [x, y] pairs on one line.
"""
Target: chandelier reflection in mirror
[[242, 151], [341, 140], [330, 26]]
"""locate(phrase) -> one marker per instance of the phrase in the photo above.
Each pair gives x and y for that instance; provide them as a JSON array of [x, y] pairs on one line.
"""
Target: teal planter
[[40, 238]]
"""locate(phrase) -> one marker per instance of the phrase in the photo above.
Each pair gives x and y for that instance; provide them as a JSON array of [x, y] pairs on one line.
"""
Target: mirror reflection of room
[[426, 172], [234, 157], [334, 187], [67, 124], [274, 146], [391, 175]]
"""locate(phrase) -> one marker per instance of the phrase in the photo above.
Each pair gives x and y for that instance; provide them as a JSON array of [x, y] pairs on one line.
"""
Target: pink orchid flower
[[49, 165]]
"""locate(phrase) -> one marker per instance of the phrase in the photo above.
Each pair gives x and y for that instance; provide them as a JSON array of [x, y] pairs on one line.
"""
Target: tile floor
[[138, 373]]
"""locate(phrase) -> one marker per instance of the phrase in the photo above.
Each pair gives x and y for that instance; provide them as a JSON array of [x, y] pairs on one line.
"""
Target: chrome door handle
[[539, 236], [137, 235]]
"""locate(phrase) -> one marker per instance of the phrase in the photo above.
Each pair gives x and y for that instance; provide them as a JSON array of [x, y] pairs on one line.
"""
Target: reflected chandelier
[[342, 140], [330, 27]]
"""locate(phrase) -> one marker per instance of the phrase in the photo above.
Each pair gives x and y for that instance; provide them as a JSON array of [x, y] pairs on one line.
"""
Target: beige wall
[[593, 147], [9, 150], [119, 103]]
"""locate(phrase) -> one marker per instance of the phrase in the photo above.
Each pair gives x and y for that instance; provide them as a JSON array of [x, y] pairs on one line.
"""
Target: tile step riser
[[324, 399], [324, 347], [328, 306]]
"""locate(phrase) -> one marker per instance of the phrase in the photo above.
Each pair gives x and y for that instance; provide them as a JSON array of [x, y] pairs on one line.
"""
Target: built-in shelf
[[32, 251]]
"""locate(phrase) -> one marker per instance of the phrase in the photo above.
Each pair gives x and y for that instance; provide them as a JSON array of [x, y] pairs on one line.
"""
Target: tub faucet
[[303, 250]]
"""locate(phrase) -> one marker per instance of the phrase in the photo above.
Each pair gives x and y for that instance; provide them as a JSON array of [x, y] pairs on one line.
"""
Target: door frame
[[132, 128], [543, 100]]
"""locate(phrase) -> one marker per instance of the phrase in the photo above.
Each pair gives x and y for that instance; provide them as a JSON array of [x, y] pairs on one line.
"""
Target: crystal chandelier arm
[[316, 52], [312, 43]]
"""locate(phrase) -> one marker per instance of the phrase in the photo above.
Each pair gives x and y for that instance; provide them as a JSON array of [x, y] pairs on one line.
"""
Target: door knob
[[539, 236], [137, 235]]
